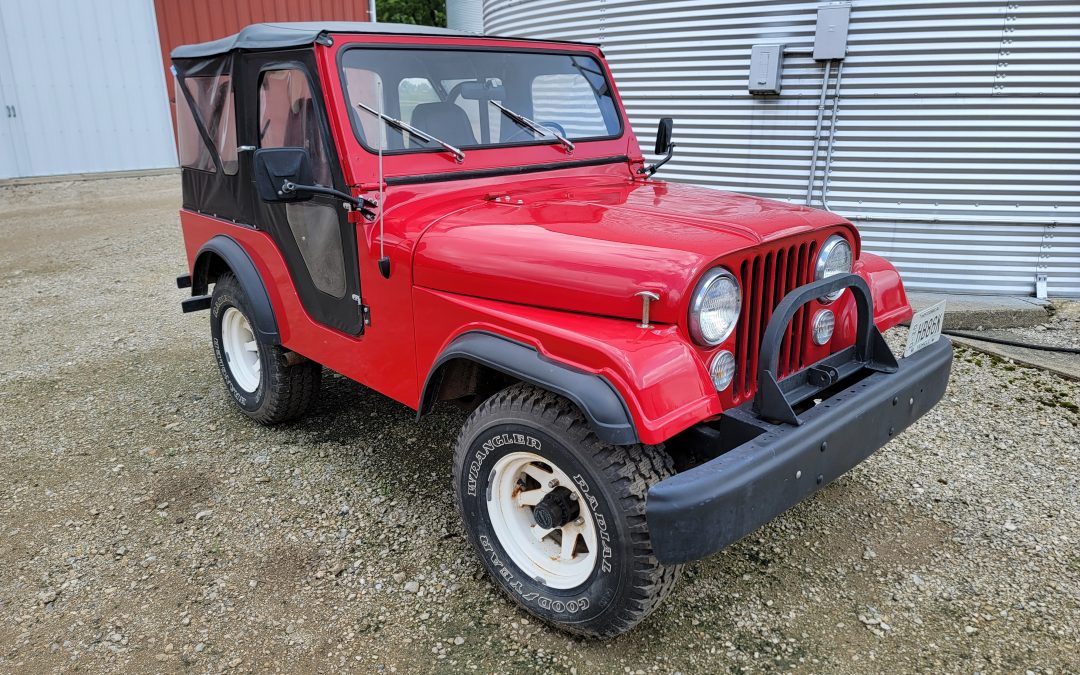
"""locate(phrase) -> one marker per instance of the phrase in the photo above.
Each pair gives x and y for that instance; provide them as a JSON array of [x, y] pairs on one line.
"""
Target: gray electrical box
[[765, 63], [831, 32]]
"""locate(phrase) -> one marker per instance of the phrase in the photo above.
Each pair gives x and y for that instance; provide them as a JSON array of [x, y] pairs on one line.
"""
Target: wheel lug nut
[[554, 482], [573, 496]]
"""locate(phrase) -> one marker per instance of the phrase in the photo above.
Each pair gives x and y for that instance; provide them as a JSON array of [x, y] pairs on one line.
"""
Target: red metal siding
[[183, 22]]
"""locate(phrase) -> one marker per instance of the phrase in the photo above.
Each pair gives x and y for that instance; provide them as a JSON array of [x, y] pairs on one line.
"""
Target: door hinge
[[365, 311]]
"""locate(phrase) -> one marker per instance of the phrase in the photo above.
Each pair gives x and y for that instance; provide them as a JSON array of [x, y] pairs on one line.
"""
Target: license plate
[[925, 328]]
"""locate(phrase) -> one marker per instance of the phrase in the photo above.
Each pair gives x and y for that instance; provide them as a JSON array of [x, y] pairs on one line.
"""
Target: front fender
[[660, 380], [886, 290], [592, 394]]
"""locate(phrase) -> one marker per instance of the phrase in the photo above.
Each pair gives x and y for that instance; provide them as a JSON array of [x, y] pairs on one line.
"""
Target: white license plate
[[925, 328]]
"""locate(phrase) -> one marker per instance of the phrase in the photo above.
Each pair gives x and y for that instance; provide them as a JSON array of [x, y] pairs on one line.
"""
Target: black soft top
[[298, 34], [284, 35]]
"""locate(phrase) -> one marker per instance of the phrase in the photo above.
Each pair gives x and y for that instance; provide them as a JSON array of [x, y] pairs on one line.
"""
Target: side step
[[183, 281], [195, 304]]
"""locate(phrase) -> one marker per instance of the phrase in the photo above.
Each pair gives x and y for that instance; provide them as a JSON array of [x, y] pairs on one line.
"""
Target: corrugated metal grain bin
[[957, 137]]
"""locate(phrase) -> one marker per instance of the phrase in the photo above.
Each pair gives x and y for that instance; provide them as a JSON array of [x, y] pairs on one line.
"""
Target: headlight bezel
[[697, 299], [827, 248]]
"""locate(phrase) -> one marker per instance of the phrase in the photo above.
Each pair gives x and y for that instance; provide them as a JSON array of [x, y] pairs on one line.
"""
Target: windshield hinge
[[365, 311]]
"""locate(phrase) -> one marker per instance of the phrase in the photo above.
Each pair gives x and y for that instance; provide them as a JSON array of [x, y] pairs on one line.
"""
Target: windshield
[[450, 94]]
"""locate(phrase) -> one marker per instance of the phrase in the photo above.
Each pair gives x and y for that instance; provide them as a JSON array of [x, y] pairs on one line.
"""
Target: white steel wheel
[[528, 492], [241, 349]]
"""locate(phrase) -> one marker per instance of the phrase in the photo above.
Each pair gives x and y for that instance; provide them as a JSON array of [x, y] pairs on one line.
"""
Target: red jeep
[[654, 370]]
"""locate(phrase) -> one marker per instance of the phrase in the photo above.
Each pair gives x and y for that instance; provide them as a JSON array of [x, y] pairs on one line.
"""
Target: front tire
[[557, 516], [267, 382]]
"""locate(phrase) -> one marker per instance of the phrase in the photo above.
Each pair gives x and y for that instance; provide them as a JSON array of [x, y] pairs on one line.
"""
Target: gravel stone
[[96, 360]]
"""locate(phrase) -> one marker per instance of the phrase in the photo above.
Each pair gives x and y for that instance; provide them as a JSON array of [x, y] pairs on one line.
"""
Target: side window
[[213, 99], [569, 102], [288, 118]]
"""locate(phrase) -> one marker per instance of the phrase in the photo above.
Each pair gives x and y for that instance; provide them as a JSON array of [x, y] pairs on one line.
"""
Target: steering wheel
[[530, 134], [519, 132], [555, 126]]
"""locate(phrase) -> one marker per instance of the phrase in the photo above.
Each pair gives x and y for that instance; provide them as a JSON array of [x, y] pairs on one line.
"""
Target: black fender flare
[[239, 262], [601, 404]]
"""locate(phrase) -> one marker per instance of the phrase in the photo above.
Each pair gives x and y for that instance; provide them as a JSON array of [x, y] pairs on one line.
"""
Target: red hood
[[590, 249]]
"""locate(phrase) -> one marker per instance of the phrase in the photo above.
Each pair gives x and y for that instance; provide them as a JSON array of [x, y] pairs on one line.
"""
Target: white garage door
[[81, 88]]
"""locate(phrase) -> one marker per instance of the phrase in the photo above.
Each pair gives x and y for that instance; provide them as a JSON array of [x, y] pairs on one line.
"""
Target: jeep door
[[285, 109]]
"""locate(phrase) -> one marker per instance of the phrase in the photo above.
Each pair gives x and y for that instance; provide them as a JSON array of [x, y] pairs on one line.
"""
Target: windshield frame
[[544, 140]]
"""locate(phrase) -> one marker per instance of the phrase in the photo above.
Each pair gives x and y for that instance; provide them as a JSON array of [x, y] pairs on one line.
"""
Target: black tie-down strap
[[775, 399]]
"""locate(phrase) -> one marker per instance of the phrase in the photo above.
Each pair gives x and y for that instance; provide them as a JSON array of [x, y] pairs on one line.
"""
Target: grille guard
[[775, 399]]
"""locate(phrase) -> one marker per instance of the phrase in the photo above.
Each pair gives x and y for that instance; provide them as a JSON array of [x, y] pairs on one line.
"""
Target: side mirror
[[664, 146], [285, 175], [280, 173], [663, 135]]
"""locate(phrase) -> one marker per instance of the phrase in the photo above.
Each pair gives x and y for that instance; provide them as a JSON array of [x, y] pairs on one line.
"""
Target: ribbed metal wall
[[957, 147], [465, 15]]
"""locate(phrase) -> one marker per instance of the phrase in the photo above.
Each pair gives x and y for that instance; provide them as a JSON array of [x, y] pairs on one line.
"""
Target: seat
[[445, 121]]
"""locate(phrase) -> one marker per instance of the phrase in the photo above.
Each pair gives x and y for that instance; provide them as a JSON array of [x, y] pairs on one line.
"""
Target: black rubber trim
[[250, 282], [700, 511], [592, 394], [183, 281], [504, 171]]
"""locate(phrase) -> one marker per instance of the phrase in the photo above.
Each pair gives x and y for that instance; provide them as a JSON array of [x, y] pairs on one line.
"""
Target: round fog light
[[824, 323], [722, 370]]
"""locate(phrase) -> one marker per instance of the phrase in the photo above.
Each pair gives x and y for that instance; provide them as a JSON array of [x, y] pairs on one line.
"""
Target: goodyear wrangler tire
[[557, 516], [261, 378]]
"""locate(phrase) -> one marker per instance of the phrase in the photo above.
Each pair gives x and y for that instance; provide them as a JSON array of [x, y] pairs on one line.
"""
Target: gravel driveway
[[145, 525]]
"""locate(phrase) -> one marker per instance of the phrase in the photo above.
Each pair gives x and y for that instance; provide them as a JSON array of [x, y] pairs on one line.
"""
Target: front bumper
[[773, 466]]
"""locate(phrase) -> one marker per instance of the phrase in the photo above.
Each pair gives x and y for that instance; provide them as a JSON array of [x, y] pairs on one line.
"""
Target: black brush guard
[[764, 457]]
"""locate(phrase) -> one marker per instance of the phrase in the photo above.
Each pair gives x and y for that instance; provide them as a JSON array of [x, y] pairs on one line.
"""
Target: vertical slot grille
[[767, 277]]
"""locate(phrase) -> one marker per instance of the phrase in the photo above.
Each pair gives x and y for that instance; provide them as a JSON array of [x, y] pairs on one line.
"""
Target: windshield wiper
[[402, 126], [535, 126]]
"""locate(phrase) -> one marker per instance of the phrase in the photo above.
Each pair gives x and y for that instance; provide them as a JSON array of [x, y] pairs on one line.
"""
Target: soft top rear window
[[449, 94]]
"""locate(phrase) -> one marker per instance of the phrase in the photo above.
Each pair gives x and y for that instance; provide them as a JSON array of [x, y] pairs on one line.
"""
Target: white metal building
[[956, 147], [82, 88]]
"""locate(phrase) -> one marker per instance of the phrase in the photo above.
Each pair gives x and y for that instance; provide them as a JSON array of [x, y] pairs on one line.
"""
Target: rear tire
[[528, 473], [257, 374]]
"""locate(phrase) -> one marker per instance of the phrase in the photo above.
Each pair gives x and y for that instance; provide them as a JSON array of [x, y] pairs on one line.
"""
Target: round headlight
[[722, 370], [824, 323], [714, 307], [835, 258]]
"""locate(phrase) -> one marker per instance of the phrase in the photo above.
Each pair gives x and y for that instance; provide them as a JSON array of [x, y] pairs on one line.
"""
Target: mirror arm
[[652, 168], [363, 204]]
